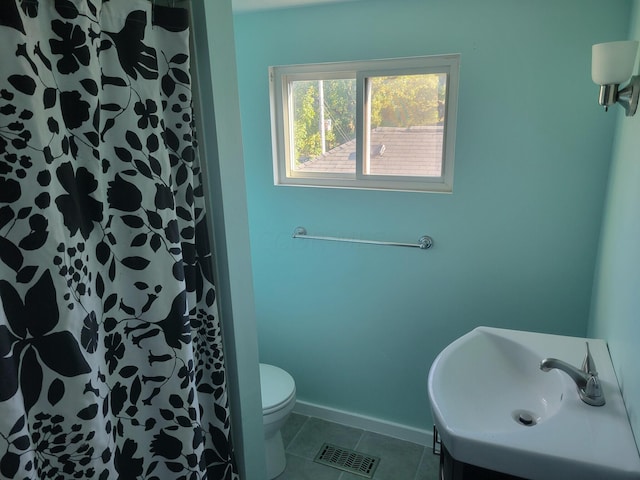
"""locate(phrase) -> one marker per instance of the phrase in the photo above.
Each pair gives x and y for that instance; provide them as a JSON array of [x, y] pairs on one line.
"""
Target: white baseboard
[[383, 427]]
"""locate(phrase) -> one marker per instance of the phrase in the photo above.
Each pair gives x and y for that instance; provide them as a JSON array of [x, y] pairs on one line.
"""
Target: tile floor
[[399, 460]]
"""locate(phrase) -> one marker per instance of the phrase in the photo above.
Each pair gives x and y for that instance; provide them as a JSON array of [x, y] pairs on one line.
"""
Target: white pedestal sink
[[495, 408]]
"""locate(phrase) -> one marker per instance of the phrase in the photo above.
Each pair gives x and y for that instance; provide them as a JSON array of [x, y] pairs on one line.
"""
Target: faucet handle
[[592, 392], [588, 365], [593, 389]]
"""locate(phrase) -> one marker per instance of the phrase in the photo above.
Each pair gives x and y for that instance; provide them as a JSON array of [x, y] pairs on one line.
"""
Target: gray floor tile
[[399, 459], [315, 432], [304, 469], [291, 428], [429, 466]]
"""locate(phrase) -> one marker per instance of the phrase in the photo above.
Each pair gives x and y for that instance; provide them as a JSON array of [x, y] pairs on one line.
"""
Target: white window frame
[[282, 129]]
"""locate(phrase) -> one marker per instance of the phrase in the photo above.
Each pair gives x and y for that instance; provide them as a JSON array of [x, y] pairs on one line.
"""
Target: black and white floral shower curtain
[[111, 359]]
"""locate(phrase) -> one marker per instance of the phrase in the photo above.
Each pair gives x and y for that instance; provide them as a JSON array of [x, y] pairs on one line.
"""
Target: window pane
[[323, 125], [406, 129]]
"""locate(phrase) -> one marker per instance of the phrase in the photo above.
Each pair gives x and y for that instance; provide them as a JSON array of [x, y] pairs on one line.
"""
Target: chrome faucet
[[586, 378]]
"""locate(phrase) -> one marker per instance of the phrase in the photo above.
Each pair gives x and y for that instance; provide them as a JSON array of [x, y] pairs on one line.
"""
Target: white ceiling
[[248, 5]]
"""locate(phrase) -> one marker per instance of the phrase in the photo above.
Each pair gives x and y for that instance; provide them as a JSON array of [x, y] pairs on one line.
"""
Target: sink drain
[[525, 417]]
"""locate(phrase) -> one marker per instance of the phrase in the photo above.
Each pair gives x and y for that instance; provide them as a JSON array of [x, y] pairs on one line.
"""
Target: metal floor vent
[[347, 460]]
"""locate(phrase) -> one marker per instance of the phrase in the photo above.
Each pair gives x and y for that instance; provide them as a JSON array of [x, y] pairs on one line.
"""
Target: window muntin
[[384, 124]]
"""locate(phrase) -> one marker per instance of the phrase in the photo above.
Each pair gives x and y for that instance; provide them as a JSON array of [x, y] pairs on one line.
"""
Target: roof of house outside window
[[413, 151]]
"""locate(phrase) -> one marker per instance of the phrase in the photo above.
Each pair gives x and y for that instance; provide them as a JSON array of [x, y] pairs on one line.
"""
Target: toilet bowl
[[278, 398]]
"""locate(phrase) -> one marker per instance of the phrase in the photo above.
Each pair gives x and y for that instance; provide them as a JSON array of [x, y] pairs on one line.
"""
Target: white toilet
[[278, 399]]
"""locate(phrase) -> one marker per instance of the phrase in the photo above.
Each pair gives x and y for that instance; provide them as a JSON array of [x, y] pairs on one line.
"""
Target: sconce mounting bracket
[[629, 95]]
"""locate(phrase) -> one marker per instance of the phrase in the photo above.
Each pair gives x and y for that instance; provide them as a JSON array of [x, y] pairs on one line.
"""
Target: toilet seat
[[277, 388]]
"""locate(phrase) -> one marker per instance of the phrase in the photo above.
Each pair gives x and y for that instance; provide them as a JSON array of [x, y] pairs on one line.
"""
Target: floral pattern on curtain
[[111, 362]]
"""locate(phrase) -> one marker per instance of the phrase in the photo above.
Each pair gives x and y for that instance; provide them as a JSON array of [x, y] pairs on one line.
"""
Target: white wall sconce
[[611, 64]]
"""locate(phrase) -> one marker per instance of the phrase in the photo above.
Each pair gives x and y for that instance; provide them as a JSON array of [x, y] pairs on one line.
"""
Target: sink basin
[[495, 408]]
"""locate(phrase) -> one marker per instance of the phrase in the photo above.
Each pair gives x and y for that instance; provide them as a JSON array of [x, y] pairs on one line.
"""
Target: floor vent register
[[347, 460]]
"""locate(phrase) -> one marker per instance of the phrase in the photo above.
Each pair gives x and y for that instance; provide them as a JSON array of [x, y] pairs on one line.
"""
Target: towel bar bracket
[[425, 242]]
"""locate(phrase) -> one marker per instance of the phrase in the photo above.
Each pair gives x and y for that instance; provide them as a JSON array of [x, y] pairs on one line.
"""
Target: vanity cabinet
[[452, 469]]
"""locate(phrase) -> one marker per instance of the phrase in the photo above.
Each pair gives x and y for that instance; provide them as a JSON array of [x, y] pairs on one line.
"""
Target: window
[[381, 124]]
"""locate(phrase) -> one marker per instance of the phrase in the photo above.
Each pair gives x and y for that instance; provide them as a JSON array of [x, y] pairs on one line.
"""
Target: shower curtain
[[111, 362]]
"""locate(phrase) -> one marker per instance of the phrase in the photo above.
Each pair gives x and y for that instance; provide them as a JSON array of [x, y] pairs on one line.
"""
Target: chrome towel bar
[[424, 242]]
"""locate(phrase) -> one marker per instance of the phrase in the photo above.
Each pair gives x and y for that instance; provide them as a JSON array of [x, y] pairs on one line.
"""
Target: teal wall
[[616, 305], [358, 326]]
